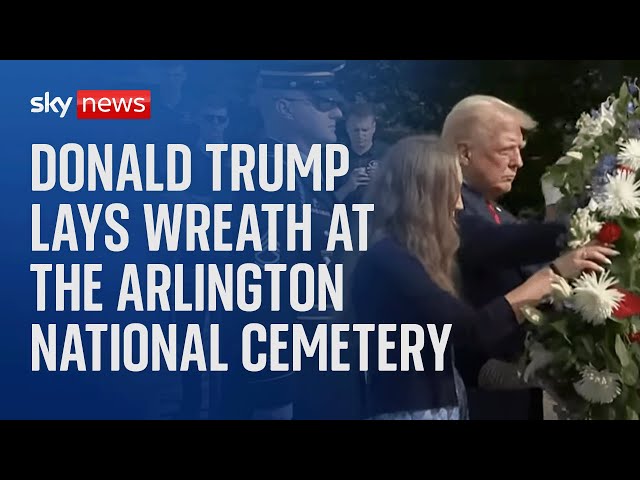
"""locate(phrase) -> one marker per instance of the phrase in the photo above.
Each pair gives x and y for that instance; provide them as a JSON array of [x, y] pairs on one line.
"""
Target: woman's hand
[[589, 257], [536, 288]]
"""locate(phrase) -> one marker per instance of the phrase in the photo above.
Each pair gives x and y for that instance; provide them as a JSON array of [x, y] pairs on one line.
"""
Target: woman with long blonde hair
[[408, 276]]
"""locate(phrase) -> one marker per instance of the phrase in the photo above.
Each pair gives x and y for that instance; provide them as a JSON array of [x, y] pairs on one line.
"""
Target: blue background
[[61, 395]]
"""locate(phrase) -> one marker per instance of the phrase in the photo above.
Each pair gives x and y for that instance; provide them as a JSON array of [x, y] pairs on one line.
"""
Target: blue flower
[[606, 166], [633, 88], [634, 129], [631, 107]]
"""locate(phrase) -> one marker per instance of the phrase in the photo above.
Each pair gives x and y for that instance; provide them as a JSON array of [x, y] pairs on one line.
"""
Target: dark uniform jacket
[[310, 394]]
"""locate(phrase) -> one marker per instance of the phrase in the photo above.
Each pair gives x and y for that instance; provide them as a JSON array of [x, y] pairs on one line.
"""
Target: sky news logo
[[98, 104]]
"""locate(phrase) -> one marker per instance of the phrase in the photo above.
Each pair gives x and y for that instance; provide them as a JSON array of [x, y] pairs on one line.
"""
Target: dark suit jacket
[[484, 279], [498, 280], [390, 286]]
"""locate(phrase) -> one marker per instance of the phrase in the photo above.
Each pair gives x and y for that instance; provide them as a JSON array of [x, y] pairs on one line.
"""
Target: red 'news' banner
[[113, 104]]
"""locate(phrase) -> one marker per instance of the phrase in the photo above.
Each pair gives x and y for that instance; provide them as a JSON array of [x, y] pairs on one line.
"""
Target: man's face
[[494, 156], [213, 122], [315, 118], [361, 131]]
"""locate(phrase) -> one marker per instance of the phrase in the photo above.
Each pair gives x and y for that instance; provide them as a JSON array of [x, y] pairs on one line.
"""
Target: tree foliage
[[415, 96]]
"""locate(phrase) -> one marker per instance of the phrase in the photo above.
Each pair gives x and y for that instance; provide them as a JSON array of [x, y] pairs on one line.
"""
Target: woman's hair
[[415, 192]]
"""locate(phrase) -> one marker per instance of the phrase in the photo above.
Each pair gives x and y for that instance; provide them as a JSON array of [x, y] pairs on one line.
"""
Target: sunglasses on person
[[212, 118], [319, 103]]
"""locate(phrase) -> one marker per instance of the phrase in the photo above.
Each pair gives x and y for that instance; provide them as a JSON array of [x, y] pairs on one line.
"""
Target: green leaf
[[555, 343], [631, 414], [589, 156], [603, 412], [633, 400], [557, 175], [633, 277], [618, 321], [619, 266], [613, 365], [622, 111], [635, 349], [624, 94], [562, 356], [561, 327], [621, 351], [570, 362], [626, 245], [585, 348], [621, 402], [630, 374], [612, 414]]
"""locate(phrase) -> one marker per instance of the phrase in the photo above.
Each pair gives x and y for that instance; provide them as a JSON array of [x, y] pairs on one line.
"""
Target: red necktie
[[494, 213]]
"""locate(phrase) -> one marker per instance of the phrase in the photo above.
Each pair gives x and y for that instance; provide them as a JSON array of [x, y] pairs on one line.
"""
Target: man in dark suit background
[[488, 135]]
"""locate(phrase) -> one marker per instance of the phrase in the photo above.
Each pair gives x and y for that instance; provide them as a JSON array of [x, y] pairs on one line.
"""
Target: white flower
[[620, 195], [540, 358], [581, 141], [570, 157], [560, 289], [594, 299], [595, 126], [629, 155], [588, 126], [582, 227], [598, 386], [606, 116]]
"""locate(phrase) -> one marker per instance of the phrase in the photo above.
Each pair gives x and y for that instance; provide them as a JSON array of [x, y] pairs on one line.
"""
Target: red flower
[[629, 306], [625, 168], [610, 233], [634, 337]]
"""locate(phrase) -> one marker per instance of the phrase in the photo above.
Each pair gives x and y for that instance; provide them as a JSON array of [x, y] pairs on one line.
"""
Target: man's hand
[[357, 178]]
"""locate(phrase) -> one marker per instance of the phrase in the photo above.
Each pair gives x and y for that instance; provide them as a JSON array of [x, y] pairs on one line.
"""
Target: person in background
[[200, 391], [211, 119], [300, 105], [365, 153]]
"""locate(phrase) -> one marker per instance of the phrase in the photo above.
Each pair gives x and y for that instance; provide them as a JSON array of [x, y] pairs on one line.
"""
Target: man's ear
[[464, 154], [283, 107]]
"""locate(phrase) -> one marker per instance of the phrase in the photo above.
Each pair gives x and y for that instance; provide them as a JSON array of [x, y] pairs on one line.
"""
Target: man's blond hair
[[477, 111]]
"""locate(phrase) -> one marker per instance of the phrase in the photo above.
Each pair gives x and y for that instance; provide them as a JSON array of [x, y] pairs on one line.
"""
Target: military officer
[[300, 105]]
